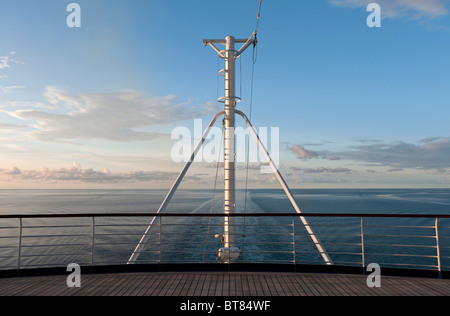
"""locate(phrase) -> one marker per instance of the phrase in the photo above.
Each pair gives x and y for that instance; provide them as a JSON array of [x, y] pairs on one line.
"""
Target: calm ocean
[[410, 201], [62, 241]]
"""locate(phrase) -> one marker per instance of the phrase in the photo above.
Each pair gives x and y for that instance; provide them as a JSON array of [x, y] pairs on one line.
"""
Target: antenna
[[230, 252], [259, 15]]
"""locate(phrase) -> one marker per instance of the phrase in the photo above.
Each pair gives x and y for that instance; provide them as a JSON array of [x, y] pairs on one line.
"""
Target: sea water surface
[[58, 242]]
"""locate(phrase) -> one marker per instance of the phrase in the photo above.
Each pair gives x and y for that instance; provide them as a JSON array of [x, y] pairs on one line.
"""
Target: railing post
[[293, 242], [20, 245], [363, 257], [93, 243], [438, 250], [160, 239]]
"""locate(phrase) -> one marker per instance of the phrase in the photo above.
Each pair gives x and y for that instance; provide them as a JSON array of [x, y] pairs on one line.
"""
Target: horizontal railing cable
[[267, 238]]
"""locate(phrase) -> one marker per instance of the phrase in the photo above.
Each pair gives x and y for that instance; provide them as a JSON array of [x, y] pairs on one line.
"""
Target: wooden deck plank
[[222, 284], [127, 284], [339, 288], [147, 285], [238, 285], [302, 289], [258, 285], [278, 288], [15, 288], [185, 284], [251, 285], [332, 286], [226, 285], [271, 285], [232, 285], [194, 288], [219, 285], [244, 282], [205, 286], [398, 287], [310, 284], [432, 287], [287, 286], [264, 285], [44, 285], [142, 284], [109, 284], [171, 284], [189, 286], [295, 286], [153, 286], [212, 285], [200, 282]]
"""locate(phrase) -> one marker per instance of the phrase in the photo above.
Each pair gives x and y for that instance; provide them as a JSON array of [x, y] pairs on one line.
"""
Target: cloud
[[428, 154], [303, 153], [8, 89], [117, 116], [429, 139], [395, 170], [76, 174], [5, 126], [13, 171], [415, 9], [6, 61], [214, 165], [323, 170], [431, 153]]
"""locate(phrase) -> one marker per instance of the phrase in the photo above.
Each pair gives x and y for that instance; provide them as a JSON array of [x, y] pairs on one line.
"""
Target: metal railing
[[403, 241]]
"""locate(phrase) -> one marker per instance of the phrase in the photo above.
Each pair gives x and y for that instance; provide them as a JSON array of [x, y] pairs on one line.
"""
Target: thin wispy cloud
[[121, 116], [79, 175], [8, 89], [428, 154], [6, 147], [6, 62], [303, 153], [76, 174], [415, 9], [431, 153], [322, 170], [5, 126]]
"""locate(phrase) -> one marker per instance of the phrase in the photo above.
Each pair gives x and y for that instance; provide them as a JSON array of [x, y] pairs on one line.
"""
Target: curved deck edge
[[217, 267]]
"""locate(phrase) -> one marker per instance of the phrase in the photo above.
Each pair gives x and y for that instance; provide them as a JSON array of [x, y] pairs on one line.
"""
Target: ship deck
[[240, 284]]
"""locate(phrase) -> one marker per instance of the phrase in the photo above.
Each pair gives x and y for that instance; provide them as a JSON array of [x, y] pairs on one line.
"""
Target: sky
[[95, 106]]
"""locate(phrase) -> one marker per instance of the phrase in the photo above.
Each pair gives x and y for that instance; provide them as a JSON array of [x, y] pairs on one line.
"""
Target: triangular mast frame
[[229, 252]]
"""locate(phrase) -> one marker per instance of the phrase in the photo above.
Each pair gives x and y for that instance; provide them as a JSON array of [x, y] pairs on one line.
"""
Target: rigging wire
[[254, 59], [248, 142], [259, 15], [240, 77]]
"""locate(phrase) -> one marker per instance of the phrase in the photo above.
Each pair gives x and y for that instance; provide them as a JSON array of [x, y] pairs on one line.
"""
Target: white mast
[[229, 252]]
